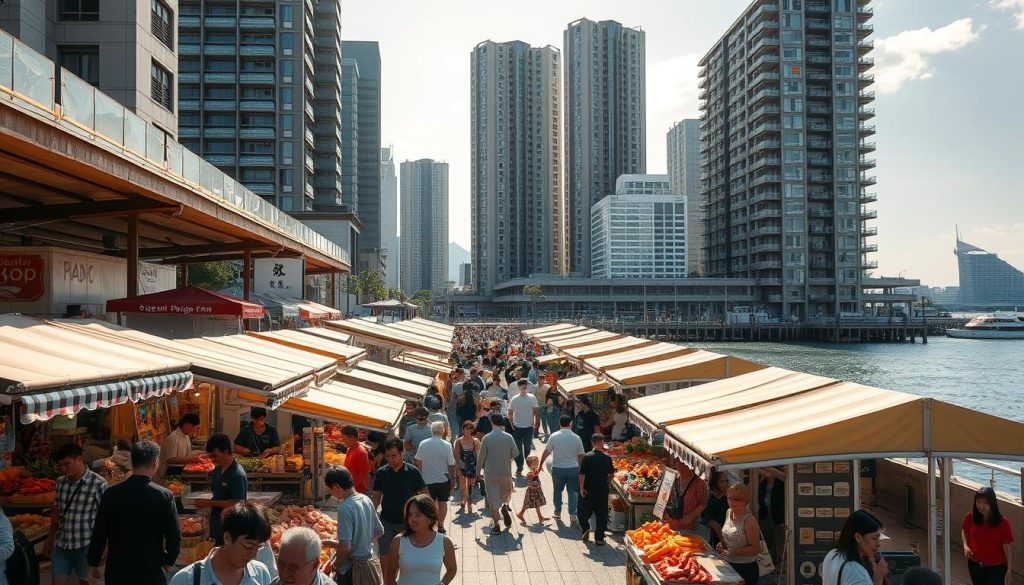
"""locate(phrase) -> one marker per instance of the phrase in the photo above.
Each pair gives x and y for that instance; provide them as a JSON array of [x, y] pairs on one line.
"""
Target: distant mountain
[[456, 255]]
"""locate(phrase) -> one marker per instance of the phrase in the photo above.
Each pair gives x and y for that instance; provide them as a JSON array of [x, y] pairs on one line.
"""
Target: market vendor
[[258, 439], [176, 451], [228, 483], [687, 501]]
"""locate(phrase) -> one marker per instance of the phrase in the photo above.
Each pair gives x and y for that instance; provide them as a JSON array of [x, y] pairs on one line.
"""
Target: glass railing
[[29, 80]]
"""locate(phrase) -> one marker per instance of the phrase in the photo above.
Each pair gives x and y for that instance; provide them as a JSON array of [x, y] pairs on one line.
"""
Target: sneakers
[[599, 542], [495, 529], [506, 515], [586, 535], [573, 519]]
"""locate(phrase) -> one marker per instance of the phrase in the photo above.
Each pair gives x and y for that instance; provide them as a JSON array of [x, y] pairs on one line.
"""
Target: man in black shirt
[[258, 439], [466, 408], [586, 423], [137, 524], [393, 485], [484, 425], [228, 483], [595, 471]]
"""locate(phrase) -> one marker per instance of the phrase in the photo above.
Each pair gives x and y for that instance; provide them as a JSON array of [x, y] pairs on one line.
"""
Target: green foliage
[[373, 284], [211, 275], [394, 293], [425, 299], [534, 291]]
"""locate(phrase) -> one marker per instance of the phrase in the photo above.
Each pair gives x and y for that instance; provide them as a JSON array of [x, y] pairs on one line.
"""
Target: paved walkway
[[530, 554]]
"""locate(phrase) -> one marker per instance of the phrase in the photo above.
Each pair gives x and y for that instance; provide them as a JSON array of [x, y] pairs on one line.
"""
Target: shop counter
[[641, 573], [256, 497], [636, 506], [258, 480]]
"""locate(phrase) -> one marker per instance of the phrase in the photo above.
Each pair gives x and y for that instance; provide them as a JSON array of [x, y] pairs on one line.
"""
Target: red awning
[[190, 300]]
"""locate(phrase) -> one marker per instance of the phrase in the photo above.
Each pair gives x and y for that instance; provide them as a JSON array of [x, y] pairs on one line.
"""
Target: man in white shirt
[[176, 451], [524, 412], [436, 461], [566, 451]]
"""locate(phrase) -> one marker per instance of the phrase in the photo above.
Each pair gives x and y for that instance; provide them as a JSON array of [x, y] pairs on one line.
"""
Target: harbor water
[[986, 375]]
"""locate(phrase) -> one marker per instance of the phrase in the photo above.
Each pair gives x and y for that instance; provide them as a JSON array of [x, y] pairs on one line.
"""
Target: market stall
[[346, 355], [614, 346], [382, 337], [657, 555], [417, 328], [565, 344], [185, 312], [638, 470], [423, 362]]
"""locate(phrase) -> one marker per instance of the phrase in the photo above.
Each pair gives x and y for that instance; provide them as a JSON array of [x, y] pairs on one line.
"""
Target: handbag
[[765, 566]]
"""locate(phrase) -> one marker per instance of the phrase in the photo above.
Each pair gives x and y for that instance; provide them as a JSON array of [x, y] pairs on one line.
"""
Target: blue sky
[[949, 124]]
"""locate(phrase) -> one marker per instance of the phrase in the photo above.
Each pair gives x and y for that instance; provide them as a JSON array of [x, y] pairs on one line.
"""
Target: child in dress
[[534, 493]]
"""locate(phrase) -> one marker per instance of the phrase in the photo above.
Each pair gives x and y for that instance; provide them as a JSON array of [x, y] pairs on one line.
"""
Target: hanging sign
[[279, 276], [21, 277], [668, 479]]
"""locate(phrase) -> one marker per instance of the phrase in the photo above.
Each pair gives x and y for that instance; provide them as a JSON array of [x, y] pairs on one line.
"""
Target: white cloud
[[1015, 6], [671, 96], [905, 56]]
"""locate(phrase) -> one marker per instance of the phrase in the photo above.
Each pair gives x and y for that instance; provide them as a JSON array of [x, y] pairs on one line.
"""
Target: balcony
[[765, 43], [823, 212], [258, 133], [820, 229], [817, 7], [256, 160], [819, 177], [819, 144], [867, 163], [866, 129], [184, 49], [765, 214], [866, 232], [868, 197], [257, 106], [868, 213], [188, 22], [256, 78], [819, 92], [766, 76], [868, 248], [818, 25], [819, 195], [308, 134], [765, 11], [864, 30], [766, 195], [219, 132], [819, 127], [864, 12], [818, 108], [818, 42], [190, 77], [221, 50], [762, 27], [865, 47], [822, 264], [765, 265], [772, 247], [867, 146], [819, 58], [869, 265], [219, 22], [220, 160], [763, 60], [764, 94], [866, 62], [865, 113], [865, 79], [220, 105], [769, 280], [815, 161], [228, 78], [764, 145], [257, 51], [821, 297], [256, 22], [763, 128], [188, 105], [765, 179], [765, 111], [766, 230], [866, 96]]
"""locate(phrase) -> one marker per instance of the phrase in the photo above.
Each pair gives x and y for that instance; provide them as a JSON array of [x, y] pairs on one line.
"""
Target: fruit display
[[674, 557], [307, 516], [30, 523], [192, 525], [27, 486], [640, 475], [205, 467], [252, 464], [334, 458], [44, 468], [332, 433], [685, 568], [293, 463], [175, 485]]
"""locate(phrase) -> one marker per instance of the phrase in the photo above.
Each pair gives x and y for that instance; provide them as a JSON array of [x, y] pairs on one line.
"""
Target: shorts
[[442, 492], [390, 532], [70, 561]]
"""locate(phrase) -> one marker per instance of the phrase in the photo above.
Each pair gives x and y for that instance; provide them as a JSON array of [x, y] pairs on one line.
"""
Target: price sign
[[668, 479]]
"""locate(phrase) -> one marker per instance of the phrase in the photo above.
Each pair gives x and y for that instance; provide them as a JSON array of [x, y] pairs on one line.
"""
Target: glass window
[[287, 97], [80, 10], [793, 156], [220, 38], [82, 61], [794, 190], [219, 147], [793, 138], [219, 93], [287, 15], [792, 36], [793, 105], [162, 86], [793, 173], [792, 53], [792, 86], [287, 42], [188, 65], [287, 149], [257, 93], [162, 23], [257, 120], [287, 123], [791, 122], [220, 66], [791, 19], [220, 118], [287, 70]]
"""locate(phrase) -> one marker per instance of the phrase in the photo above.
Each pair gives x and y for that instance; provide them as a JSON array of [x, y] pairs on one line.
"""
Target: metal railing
[[29, 80]]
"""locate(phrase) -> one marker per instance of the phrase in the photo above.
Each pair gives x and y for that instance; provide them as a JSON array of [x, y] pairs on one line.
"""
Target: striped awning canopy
[[69, 401]]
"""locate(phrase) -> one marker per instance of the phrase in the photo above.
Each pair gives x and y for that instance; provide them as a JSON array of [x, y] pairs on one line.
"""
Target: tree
[[396, 294], [211, 275], [536, 294], [373, 284], [425, 299]]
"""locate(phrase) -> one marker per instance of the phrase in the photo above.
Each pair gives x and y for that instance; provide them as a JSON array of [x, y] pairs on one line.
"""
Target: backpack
[[432, 402], [23, 566]]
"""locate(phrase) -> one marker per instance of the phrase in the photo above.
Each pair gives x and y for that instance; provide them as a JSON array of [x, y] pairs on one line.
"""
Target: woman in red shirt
[[987, 537]]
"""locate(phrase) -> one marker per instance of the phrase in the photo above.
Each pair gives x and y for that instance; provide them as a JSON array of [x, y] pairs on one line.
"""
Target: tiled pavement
[[530, 554]]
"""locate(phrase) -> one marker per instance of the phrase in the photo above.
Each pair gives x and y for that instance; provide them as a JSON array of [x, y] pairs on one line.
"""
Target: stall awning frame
[[346, 355], [372, 333], [344, 404], [596, 350], [585, 340], [651, 353], [381, 383], [537, 331], [69, 401]]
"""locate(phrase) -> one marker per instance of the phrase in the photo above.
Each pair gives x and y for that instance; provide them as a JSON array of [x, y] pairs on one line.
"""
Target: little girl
[[534, 493]]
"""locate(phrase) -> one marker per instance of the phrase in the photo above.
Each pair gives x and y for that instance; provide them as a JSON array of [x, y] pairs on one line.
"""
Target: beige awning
[[420, 330], [583, 384], [345, 404], [695, 366], [326, 333], [341, 352], [550, 357], [396, 373], [372, 333], [596, 350], [642, 355], [584, 340], [566, 335], [721, 396], [382, 383], [323, 367], [441, 327], [547, 329], [423, 361]]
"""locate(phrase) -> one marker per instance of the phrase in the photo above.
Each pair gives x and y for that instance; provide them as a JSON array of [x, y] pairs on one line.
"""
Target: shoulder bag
[[765, 565]]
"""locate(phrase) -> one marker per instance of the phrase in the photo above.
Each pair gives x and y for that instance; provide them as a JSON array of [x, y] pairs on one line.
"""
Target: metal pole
[[790, 522], [933, 518], [133, 254], [246, 274], [947, 471]]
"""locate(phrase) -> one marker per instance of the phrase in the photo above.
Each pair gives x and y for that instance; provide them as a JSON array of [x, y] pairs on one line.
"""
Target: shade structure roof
[[637, 356], [323, 366], [613, 346], [390, 304], [442, 327], [341, 352], [420, 330], [569, 334], [332, 334], [423, 361], [583, 384], [550, 357], [214, 363], [306, 309], [372, 333], [697, 365], [383, 383], [653, 412], [842, 421], [566, 344], [538, 331], [345, 404], [189, 300], [396, 373]]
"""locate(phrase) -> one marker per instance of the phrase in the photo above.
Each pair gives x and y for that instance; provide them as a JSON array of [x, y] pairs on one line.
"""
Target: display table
[[256, 497], [640, 573], [258, 480], [636, 507]]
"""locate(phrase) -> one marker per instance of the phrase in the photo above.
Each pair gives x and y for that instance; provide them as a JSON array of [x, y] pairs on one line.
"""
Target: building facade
[[366, 55], [986, 280], [784, 151], [389, 215], [516, 191], [605, 120], [466, 275], [424, 226], [327, 85], [350, 134], [640, 231], [126, 49], [684, 178]]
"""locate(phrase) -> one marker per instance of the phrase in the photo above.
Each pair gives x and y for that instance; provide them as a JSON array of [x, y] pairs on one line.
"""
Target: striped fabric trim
[[46, 405]]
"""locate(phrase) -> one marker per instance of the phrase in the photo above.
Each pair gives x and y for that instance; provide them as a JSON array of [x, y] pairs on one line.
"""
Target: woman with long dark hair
[[418, 552], [855, 560], [987, 536]]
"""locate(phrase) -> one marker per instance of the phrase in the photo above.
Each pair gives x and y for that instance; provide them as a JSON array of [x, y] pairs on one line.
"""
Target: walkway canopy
[[55, 370], [614, 346], [415, 329], [634, 357], [696, 366], [345, 404], [375, 334], [423, 361], [345, 355], [189, 300], [565, 344]]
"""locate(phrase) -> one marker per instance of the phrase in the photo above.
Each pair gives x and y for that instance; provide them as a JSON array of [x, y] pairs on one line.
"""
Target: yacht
[[998, 325]]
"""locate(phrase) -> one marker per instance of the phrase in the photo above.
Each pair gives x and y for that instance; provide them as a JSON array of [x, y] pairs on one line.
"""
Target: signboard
[[279, 276], [824, 500], [668, 479], [21, 277]]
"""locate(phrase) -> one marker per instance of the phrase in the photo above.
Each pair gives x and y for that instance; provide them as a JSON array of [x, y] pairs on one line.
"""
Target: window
[[249, 120], [287, 125], [287, 180], [161, 86], [80, 10], [257, 147], [794, 190], [188, 120], [287, 15], [793, 156], [219, 147], [287, 98], [792, 53], [220, 118], [288, 42], [257, 93], [792, 86], [82, 61], [791, 20], [219, 93], [792, 122], [220, 38], [220, 66], [162, 23], [188, 65], [792, 36], [287, 70]]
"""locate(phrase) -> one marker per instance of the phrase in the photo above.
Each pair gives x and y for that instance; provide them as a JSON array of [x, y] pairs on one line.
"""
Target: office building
[[466, 275], [424, 226], [784, 151], [986, 280], [640, 231], [516, 190], [366, 55], [389, 215], [605, 120], [328, 192], [684, 179], [350, 134], [126, 49]]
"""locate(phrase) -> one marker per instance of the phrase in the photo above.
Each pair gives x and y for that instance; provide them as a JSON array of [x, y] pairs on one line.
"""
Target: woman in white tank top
[[418, 554], [741, 536]]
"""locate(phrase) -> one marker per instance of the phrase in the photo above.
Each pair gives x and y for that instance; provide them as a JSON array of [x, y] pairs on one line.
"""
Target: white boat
[[998, 325]]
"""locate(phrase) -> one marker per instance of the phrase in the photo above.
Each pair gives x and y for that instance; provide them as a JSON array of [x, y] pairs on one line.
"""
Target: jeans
[[545, 421], [67, 562], [982, 575], [596, 504], [567, 478], [524, 442], [552, 417]]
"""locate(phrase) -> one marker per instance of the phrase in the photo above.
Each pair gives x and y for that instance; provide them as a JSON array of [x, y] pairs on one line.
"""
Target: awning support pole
[[133, 254], [184, 275], [790, 566], [246, 274], [334, 290], [933, 518], [947, 471]]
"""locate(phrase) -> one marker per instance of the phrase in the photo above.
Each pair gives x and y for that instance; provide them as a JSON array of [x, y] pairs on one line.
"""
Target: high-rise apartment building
[[424, 226], [350, 134], [366, 55], [389, 215], [986, 280], [605, 120], [640, 231], [259, 95], [126, 49], [784, 153], [684, 178], [516, 191]]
